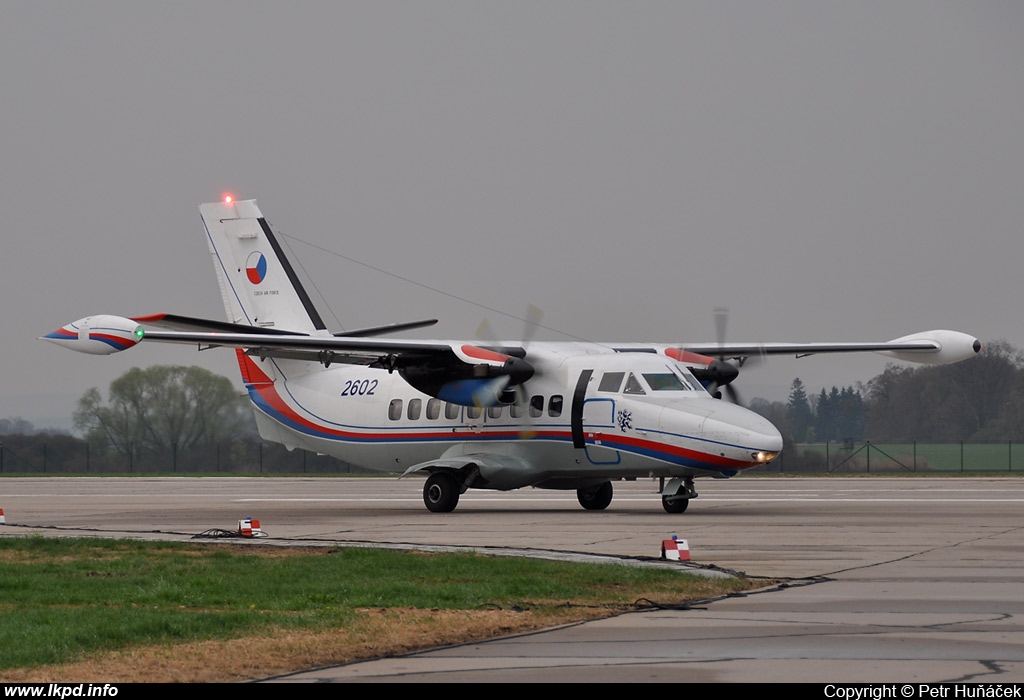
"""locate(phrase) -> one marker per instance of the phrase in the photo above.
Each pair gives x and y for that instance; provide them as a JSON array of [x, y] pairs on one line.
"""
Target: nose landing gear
[[676, 494]]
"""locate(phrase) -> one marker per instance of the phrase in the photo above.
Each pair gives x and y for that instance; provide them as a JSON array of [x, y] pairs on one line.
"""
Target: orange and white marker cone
[[250, 527], [675, 549], [3, 520]]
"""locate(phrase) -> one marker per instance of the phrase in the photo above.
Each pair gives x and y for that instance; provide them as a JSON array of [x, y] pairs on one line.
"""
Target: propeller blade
[[531, 323], [721, 321], [484, 332], [734, 395], [722, 372]]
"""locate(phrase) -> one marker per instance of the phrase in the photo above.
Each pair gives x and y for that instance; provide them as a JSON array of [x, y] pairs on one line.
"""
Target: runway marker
[[675, 549], [250, 527], [3, 520]]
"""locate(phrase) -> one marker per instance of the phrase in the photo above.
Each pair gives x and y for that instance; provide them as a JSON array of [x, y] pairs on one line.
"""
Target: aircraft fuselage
[[588, 416]]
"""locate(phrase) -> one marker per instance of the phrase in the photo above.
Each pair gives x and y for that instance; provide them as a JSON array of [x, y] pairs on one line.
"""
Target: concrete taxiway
[[890, 580]]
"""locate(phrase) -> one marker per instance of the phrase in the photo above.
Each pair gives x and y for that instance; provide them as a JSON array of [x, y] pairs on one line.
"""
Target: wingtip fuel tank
[[98, 335]]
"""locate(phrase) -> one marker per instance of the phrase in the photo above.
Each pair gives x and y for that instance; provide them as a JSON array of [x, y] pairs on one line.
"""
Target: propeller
[[520, 396], [723, 373], [720, 373]]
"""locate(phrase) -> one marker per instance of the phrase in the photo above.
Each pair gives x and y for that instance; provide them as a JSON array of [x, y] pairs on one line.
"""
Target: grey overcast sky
[[826, 170]]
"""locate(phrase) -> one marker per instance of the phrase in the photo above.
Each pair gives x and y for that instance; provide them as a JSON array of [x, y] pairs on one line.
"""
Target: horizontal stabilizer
[[175, 322]]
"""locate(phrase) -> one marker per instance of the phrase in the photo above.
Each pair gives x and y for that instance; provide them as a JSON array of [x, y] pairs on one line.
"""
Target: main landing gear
[[441, 492], [596, 498], [676, 494]]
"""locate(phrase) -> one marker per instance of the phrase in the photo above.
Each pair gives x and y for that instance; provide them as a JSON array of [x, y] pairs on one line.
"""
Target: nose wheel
[[672, 504], [676, 494]]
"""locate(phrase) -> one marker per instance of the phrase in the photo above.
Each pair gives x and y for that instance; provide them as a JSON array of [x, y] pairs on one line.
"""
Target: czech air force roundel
[[256, 267]]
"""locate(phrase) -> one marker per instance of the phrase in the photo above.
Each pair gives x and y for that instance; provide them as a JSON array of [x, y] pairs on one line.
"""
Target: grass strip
[[68, 601]]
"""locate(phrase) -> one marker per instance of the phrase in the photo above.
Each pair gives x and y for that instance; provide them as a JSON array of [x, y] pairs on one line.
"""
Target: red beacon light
[[228, 199]]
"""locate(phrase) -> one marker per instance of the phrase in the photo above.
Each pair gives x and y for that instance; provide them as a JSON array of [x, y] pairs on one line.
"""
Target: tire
[[441, 493], [596, 498], [675, 506]]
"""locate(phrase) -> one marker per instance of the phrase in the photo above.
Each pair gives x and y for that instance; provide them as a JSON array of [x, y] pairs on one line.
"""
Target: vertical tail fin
[[258, 284]]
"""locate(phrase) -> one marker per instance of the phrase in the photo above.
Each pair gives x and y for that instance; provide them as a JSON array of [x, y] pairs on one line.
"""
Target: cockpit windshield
[[656, 379], [674, 379], [665, 381]]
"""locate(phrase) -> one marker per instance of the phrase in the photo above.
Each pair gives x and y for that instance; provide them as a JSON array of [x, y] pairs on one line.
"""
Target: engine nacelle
[[470, 376], [98, 335], [950, 346]]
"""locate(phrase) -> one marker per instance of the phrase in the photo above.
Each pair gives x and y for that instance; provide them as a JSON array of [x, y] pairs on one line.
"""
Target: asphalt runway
[[890, 580]]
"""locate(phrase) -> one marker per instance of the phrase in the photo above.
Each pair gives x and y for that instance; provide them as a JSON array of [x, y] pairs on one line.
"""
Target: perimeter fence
[[66, 454], [59, 453], [867, 457]]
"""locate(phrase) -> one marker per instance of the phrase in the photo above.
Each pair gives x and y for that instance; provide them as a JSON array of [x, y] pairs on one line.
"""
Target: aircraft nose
[[731, 423]]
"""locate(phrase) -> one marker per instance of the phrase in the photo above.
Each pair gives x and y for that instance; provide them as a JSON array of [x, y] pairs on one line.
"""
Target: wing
[[455, 371], [928, 347], [175, 322]]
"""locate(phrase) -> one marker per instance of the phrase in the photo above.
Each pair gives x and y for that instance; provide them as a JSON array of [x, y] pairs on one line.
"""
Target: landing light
[[764, 457]]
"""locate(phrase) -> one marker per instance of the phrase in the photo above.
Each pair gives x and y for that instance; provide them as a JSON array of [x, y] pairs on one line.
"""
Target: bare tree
[[164, 408]]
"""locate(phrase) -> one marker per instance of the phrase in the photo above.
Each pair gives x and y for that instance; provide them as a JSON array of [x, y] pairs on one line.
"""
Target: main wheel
[[596, 498], [441, 493], [676, 505]]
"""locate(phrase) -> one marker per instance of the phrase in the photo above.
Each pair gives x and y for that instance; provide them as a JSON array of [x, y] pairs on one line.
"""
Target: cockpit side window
[[691, 380], [611, 381], [633, 386]]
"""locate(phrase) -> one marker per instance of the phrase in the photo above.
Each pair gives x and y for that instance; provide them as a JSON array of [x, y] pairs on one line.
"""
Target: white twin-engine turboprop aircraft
[[488, 415]]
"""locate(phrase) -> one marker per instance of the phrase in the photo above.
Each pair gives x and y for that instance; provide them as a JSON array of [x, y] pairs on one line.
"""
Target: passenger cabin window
[[633, 386], [665, 382], [555, 406], [473, 412], [433, 409], [451, 411], [395, 409], [536, 406], [494, 412], [415, 406], [517, 410], [611, 381]]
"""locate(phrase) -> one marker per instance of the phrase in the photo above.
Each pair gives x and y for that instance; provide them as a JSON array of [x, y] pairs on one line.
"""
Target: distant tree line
[[159, 419], [978, 400], [172, 418]]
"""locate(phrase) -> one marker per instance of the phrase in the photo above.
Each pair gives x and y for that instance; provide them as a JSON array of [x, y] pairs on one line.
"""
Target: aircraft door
[[591, 416]]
